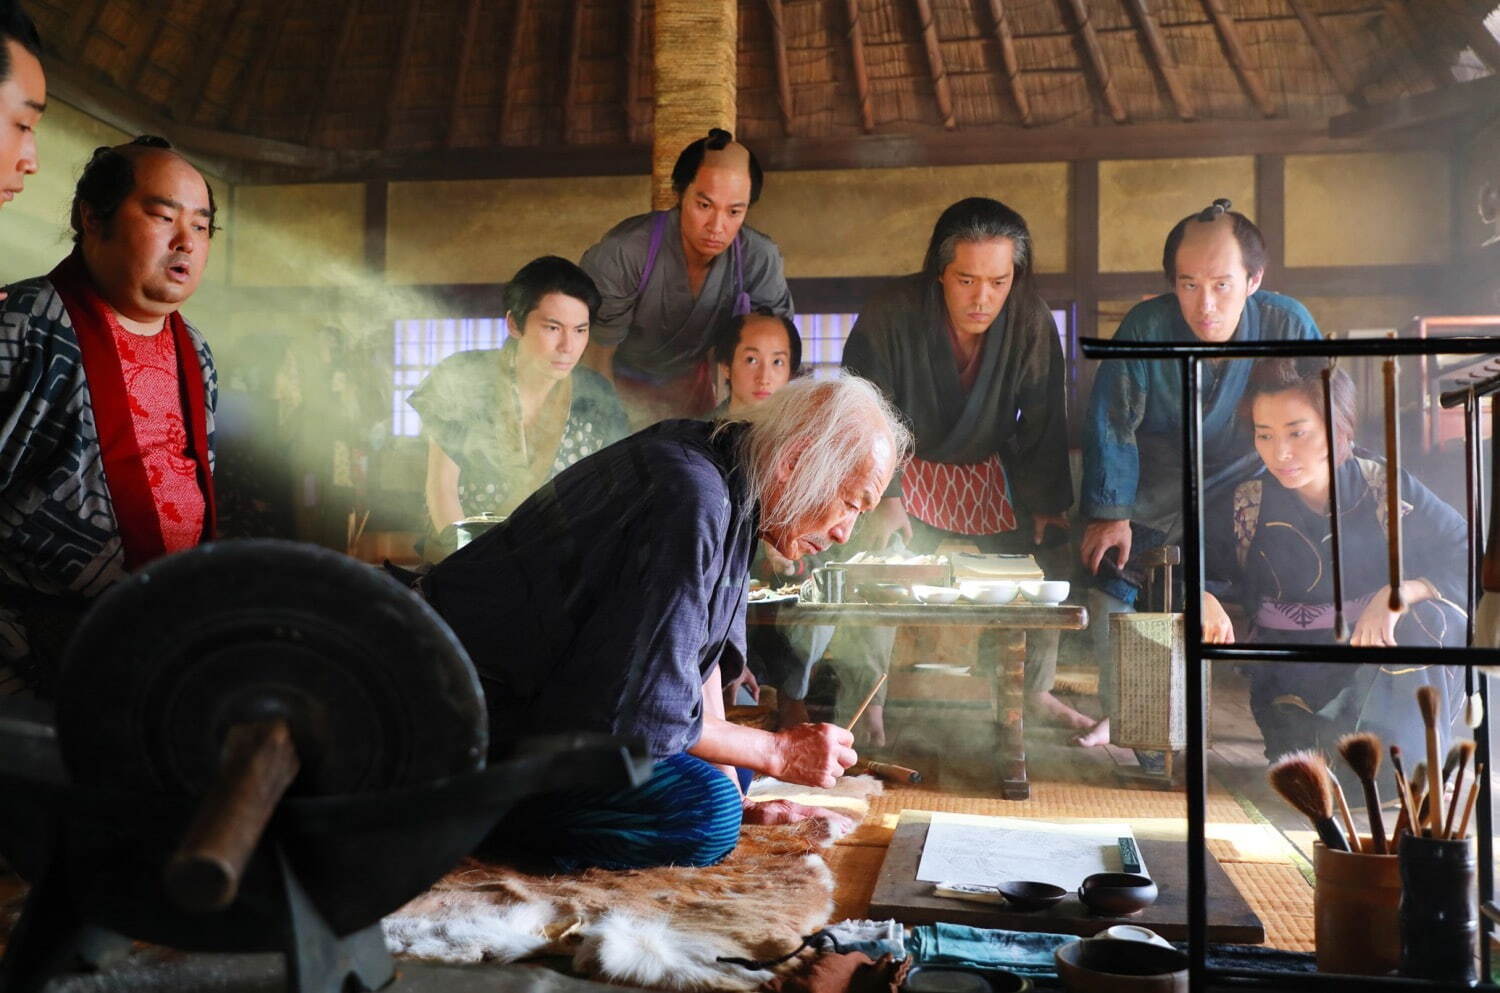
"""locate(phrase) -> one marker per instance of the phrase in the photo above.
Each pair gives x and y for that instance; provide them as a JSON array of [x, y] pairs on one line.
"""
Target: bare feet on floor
[[788, 812], [1053, 711], [1094, 736]]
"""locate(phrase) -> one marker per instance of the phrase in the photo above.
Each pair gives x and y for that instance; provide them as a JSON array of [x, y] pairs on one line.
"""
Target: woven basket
[[1150, 710]]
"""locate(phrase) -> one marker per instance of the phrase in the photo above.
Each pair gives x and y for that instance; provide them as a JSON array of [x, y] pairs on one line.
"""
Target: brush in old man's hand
[[868, 700], [1362, 752], [1302, 779]]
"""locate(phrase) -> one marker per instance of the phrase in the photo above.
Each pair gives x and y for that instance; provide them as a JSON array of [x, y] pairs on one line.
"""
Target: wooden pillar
[[695, 55]]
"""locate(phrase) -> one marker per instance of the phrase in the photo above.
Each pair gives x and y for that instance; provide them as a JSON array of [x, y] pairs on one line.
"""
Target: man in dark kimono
[[107, 402], [968, 351], [23, 98], [671, 278], [614, 598], [1214, 261]]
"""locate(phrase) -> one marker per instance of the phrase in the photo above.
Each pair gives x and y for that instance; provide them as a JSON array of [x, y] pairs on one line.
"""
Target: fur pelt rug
[[663, 928]]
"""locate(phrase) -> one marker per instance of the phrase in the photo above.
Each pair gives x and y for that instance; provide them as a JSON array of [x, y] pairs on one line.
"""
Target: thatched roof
[[400, 75]]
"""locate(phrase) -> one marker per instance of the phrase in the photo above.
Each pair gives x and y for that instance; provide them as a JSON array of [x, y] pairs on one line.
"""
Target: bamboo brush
[[1408, 812], [1302, 780], [1427, 702], [1362, 752], [1465, 752], [1463, 827], [1417, 784], [1355, 845]]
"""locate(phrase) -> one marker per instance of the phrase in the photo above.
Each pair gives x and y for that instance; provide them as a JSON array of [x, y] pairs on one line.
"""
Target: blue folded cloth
[[1028, 953]]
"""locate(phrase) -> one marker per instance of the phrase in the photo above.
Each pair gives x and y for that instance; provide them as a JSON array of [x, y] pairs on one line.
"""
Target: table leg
[[1007, 649]]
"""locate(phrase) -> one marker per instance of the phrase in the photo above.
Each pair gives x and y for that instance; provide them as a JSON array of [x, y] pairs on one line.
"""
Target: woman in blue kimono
[[1269, 551]]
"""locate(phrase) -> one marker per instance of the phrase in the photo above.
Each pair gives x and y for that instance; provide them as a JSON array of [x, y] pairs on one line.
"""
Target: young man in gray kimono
[[671, 278]]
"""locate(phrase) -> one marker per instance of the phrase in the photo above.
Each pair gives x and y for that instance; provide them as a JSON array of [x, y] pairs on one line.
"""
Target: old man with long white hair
[[613, 600]]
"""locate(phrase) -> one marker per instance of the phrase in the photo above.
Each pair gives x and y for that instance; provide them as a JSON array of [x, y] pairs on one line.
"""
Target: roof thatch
[[422, 74]]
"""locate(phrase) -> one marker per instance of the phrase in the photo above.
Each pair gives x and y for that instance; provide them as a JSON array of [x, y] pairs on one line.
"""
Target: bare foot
[[1054, 711], [790, 713], [1094, 736], [788, 812]]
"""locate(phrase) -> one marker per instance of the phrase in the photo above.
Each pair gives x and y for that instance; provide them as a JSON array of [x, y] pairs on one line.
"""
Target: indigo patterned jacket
[[59, 539]]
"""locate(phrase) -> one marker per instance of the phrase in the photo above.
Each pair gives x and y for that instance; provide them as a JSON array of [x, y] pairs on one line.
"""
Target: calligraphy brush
[[1355, 845], [1417, 785], [1362, 752], [1302, 780], [862, 707], [1408, 815], [1393, 491], [1465, 752], [1335, 546], [1463, 827], [1427, 702]]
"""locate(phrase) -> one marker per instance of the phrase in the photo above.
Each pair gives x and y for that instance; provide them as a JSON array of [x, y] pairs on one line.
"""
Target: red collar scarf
[[124, 469]]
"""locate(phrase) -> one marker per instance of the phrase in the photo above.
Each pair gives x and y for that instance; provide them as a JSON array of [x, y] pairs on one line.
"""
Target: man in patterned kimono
[[107, 400], [968, 351]]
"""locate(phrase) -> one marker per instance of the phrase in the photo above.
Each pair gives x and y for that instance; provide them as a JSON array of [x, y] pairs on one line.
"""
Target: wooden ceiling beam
[[570, 67], [468, 28], [1475, 99], [81, 23], [1323, 45], [1471, 26], [260, 57], [403, 68], [1249, 76], [635, 30], [1439, 72], [941, 90], [783, 75], [331, 67], [143, 58], [1161, 55], [857, 57], [1008, 60], [191, 87], [1094, 53], [512, 69]]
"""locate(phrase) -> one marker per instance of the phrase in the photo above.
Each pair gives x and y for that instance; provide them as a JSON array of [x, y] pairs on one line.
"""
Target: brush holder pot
[[1439, 911], [1355, 911]]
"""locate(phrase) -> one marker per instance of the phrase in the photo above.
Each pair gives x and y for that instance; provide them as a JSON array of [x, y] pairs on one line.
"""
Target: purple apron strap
[[741, 298], [658, 228]]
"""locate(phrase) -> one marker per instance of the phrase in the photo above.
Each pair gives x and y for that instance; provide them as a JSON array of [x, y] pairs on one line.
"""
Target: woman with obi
[[1269, 551], [968, 351], [501, 422]]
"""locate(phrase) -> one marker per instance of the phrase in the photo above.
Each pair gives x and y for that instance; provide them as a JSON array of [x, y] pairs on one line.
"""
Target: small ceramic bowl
[[1026, 895], [986, 591], [1134, 932], [935, 594], [885, 593], [1045, 590], [961, 979], [1105, 965], [1115, 894]]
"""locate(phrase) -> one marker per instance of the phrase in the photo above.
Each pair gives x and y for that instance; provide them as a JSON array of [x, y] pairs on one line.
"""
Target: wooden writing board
[[899, 894]]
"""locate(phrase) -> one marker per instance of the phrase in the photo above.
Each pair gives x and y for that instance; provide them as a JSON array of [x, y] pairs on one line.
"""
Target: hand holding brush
[[1303, 780]]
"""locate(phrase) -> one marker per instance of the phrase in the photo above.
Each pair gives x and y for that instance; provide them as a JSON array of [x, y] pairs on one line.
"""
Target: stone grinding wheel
[[245, 641]]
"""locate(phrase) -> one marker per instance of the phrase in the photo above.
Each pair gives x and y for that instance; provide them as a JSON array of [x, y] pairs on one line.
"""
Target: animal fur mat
[[663, 928]]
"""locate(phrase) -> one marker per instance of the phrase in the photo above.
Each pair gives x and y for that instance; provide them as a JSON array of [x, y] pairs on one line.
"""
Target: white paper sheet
[[969, 848]]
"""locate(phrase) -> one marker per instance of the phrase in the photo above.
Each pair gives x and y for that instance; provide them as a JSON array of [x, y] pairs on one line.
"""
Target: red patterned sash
[[964, 499]]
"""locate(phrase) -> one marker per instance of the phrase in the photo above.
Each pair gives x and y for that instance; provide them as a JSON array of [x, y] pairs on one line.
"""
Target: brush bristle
[[1302, 779], [1362, 752], [1450, 761], [1418, 781], [1427, 702]]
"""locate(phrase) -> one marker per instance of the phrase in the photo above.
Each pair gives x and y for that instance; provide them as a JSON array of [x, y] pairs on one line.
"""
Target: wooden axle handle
[[258, 763]]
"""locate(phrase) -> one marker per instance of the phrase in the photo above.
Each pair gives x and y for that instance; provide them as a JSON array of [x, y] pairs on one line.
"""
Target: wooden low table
[[900, 895], [1001, 658]]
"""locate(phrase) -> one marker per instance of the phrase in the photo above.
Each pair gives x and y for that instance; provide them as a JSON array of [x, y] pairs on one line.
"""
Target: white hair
[[830, 427]]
